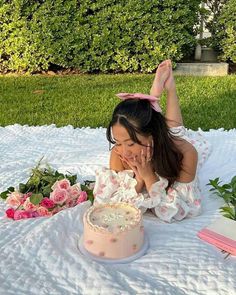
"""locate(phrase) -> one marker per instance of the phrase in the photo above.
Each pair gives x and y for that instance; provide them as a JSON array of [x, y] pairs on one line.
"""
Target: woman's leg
[[173, 111], [164, 79]]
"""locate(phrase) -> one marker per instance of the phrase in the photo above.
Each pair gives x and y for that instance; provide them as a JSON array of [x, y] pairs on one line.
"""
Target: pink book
[[221, 233]]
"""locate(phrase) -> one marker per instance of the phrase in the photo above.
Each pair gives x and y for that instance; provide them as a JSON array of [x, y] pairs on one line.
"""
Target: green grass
[[88, 100]]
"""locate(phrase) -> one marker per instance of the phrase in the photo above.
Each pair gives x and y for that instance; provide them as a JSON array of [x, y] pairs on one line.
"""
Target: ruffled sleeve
[[180, 201], [111, 186]]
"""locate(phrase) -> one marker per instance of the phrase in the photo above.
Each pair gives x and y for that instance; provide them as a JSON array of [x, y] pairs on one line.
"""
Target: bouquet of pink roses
[[45, 193]]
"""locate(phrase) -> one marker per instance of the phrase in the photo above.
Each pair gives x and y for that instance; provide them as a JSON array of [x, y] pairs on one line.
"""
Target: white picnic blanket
[[40, 256]]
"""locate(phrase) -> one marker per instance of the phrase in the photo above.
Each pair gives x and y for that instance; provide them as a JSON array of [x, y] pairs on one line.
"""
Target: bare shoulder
[[115, 162], [189, 162]]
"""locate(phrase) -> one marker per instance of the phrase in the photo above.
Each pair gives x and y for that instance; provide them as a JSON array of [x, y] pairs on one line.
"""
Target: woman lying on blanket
[[154, 160]]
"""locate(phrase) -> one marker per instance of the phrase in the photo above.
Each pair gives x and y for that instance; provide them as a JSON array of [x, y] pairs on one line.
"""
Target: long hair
[[138, 117]]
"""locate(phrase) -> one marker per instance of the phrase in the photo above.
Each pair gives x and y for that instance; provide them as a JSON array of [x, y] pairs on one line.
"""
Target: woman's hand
[[143, 168], [140, 182]]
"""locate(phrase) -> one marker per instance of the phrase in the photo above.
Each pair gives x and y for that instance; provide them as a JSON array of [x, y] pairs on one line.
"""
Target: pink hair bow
[[152, 99]]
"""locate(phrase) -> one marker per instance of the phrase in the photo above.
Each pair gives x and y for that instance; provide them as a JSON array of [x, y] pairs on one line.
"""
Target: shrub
[[220, 20], [36, 34], [98, 35], [227, 34], [227, 192], [210, 15], [133, 35]]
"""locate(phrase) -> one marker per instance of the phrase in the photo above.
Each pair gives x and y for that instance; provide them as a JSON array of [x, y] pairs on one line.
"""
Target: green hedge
[[36, 34], [95, 35], [227, 34]]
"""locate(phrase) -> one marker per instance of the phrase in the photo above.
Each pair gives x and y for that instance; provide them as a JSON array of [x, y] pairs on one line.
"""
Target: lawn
[[88, 100]]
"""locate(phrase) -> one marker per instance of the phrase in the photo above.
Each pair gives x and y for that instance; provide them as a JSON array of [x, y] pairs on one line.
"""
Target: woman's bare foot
[[170, 81], [162, 74]]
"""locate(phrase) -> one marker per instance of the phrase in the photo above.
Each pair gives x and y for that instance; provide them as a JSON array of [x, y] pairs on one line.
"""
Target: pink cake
[[113, 230]]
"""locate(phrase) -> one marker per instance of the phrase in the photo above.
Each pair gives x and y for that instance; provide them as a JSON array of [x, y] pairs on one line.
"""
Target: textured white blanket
[[40, 256]]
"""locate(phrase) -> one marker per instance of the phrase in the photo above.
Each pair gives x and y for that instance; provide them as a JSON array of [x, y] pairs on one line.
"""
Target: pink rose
[[75, 190], [61, 184], [42, 211], [70, 202], [14, 199], [27, 205], [21, 214], [25, 196], [82, 197], [34, 214], [23, 199], [47, 203], [10, 213], [28, 195], [59, 196]]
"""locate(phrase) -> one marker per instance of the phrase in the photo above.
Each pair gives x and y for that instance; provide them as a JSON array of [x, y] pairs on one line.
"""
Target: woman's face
[[125, 146]]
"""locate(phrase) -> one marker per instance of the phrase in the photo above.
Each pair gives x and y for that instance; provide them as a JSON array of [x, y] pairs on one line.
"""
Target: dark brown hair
[[138, 117]]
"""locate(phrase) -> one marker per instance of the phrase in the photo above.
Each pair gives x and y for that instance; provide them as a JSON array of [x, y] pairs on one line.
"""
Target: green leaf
[[36, 199], [221, 189], [34, 180], [60, 177], [225, 186], [48, 178], [229, 211], [233, 181], [83, 187], [212, 190], [4, 194], [11, 189], [227, 197], [46, 190], [57, 174], [233, 186], [229, 216], [22, 188], [72, 179], [214, 182], [90, 197]]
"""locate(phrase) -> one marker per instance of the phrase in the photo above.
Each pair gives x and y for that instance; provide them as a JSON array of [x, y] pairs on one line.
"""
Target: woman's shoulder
[[185, 147], [116, 163]]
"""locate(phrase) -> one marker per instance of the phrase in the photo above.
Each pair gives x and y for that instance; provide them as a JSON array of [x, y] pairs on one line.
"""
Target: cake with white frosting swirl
[[113, 230]]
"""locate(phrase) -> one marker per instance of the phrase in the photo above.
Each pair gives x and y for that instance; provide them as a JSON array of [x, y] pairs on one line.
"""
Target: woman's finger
[[143, 158], [149, 153], [128, 162], [132, 166]]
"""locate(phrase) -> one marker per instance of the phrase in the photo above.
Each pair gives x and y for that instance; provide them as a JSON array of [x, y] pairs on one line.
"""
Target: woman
[[153, 163]]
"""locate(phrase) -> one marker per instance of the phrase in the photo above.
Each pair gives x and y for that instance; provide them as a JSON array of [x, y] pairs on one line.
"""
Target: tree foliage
[[98, 35]]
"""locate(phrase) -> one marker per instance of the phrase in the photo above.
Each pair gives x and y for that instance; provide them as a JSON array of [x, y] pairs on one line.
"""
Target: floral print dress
[[180, 201]]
